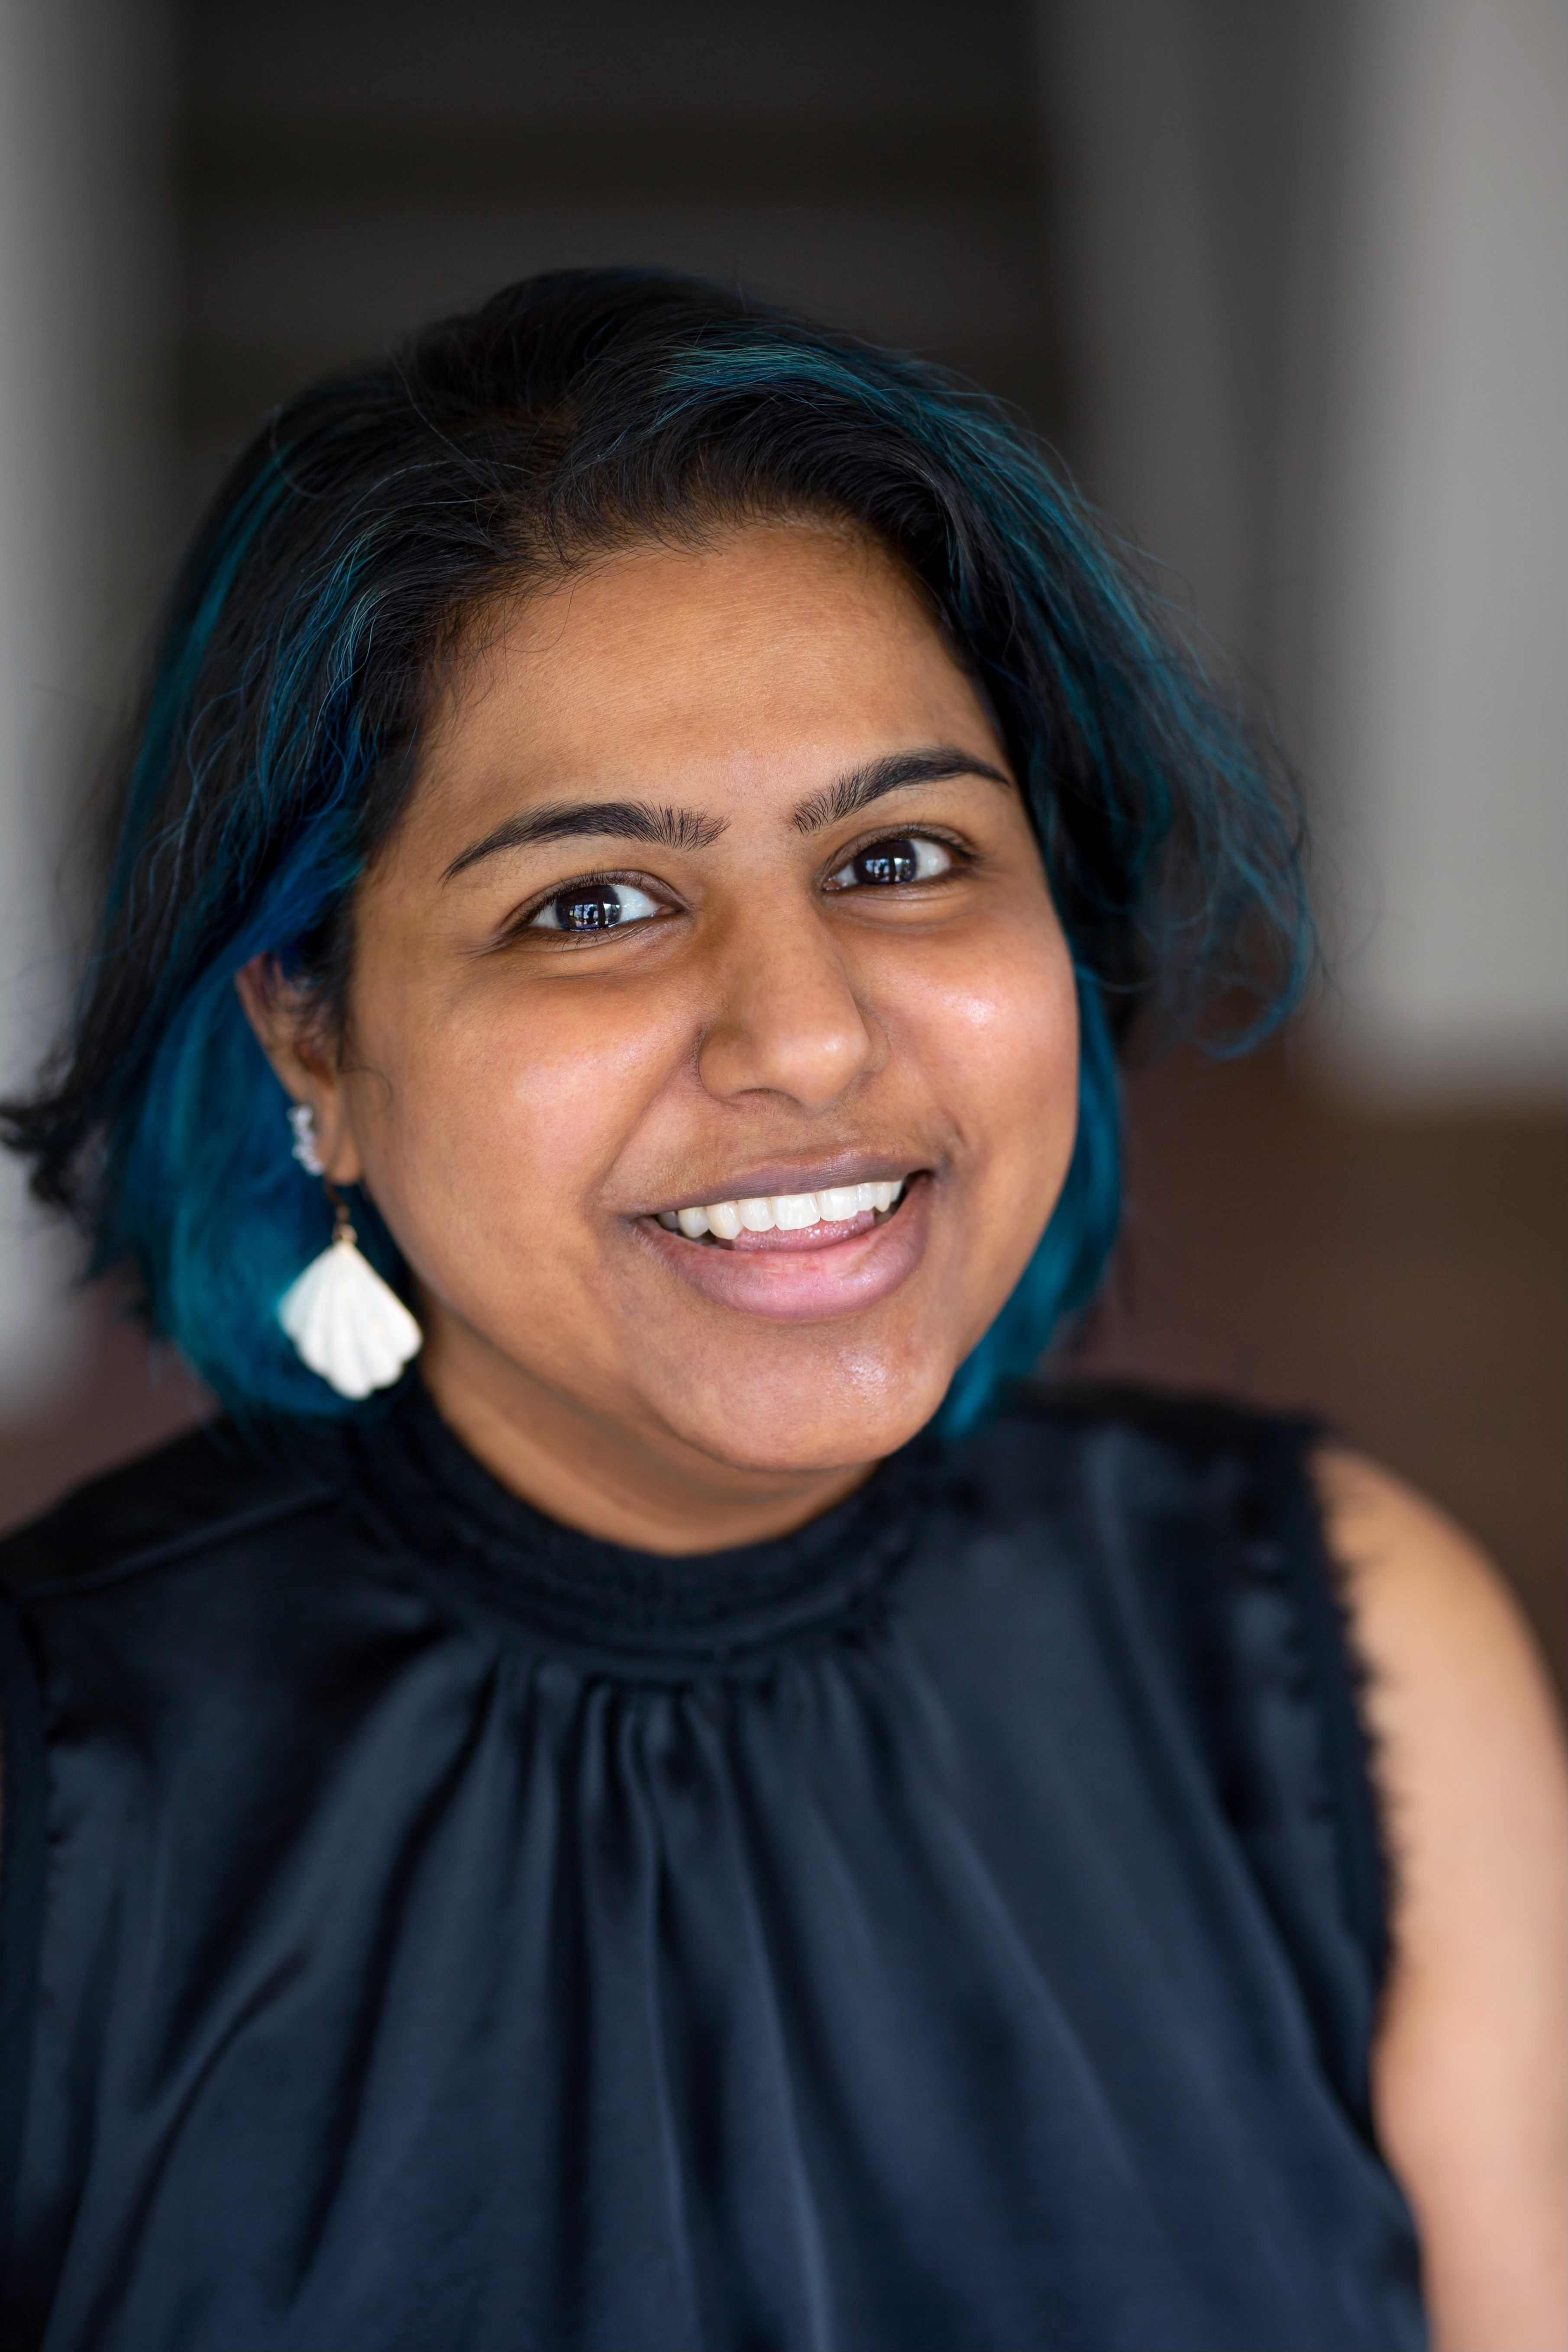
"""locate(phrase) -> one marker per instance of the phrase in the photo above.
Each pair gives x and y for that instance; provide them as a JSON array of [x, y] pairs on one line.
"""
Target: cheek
[[1006, 1034], [494, 1117], [1001, 1029]]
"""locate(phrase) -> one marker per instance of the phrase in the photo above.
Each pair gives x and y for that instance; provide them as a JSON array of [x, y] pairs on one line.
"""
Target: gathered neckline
[[590, 1596]]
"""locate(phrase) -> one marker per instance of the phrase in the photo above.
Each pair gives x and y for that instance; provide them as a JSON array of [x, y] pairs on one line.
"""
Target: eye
[[594, 907], [882, 863]]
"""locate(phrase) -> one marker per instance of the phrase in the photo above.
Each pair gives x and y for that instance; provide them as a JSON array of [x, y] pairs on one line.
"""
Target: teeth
[[792, 1213]]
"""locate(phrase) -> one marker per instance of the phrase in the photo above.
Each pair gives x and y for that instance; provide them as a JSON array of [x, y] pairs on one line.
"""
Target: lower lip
[[805, 1285]]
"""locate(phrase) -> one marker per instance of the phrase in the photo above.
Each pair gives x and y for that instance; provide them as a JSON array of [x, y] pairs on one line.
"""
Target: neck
[[644, 1487]]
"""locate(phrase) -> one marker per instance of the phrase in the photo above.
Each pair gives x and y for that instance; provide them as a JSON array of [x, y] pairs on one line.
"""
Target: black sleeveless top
[[956, 1925]]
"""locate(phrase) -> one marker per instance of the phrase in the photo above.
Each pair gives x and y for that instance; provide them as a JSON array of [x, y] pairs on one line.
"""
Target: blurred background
[[1282, 281]]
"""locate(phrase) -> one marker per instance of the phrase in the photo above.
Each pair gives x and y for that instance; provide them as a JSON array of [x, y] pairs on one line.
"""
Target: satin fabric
[[955, 1926]]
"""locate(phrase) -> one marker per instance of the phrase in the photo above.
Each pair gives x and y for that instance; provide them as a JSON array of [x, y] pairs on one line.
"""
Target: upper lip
[[778, 1176]]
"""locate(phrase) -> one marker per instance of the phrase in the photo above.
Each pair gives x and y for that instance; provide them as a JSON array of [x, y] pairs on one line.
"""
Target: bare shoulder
[[1461, 1707], [1469, 2069]]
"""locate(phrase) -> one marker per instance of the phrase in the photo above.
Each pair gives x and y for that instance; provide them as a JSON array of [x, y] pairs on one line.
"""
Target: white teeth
[[793, 1211]]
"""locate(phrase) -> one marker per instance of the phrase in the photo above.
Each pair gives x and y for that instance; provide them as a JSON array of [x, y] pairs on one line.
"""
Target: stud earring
[[345, 1322], [303, 1119]]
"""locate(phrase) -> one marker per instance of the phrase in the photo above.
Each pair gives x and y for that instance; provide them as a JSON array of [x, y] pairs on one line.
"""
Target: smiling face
[[711, 1046]]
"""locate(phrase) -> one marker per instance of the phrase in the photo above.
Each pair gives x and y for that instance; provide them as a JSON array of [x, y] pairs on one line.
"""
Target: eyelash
[[529, 919]]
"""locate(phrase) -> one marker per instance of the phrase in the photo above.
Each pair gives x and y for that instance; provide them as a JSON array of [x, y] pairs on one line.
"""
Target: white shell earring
[[345, 1322]]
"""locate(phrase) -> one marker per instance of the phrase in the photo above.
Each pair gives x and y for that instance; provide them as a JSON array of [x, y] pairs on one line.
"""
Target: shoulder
[[1469, 2061], [1196, 1523], [211, 1483], [1188, 1494], [1452, 1664], [1456, 1697], [1177, 1480], [1190, 1420], [1192, 1434]]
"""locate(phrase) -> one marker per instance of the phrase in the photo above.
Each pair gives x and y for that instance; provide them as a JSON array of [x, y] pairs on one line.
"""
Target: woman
[[630, 1796]]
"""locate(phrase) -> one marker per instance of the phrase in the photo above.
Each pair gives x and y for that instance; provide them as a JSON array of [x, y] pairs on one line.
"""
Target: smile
[[843, 1207], [798, 1257]]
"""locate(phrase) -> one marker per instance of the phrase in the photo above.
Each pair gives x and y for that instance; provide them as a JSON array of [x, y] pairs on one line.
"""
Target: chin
[[841, 1416]]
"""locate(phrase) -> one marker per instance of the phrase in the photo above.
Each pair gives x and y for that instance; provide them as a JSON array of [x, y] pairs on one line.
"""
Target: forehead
[[760, 654]]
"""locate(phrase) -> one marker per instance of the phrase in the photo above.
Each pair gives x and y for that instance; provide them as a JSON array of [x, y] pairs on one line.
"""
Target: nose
[[789, 1020]]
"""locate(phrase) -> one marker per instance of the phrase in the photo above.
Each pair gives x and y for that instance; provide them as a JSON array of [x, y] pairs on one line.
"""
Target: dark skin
[[717, 741]]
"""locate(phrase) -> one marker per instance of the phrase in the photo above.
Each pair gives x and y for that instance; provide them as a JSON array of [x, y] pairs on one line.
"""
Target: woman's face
[[715, 889]]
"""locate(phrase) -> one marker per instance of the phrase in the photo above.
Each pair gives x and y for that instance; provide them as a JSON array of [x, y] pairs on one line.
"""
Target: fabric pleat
[[944, 1930]]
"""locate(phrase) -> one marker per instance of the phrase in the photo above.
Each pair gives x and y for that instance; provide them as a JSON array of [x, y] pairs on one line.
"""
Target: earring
[[346, 1323], [303, 1119]]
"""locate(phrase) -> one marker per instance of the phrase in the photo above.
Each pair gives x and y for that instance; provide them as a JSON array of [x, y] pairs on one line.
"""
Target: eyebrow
[[686, 829], [659, 828], [850, 794]]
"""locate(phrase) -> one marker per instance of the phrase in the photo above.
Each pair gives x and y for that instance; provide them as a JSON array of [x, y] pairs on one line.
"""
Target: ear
[[288, 1027]]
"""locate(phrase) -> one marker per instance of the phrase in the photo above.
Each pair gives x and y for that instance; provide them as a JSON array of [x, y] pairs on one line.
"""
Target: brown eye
[[882, 865], [594, 907]]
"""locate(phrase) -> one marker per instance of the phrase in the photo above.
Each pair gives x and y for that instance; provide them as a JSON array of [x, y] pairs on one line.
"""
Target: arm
[[1469, 2067]]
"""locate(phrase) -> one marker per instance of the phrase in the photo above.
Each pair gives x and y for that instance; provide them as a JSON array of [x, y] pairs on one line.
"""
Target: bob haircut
[[356, 544]]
